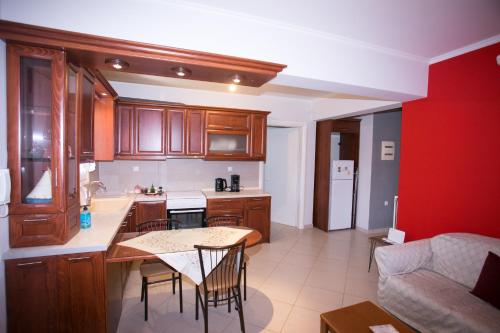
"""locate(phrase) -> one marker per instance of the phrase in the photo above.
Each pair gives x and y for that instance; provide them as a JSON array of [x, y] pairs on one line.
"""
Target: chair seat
[[155, 269], [216, 275]]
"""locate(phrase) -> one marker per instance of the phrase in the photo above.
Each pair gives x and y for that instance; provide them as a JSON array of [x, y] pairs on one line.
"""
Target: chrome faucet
[[86, 191]]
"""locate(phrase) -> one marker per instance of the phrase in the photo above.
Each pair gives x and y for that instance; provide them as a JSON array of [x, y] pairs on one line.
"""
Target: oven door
[[188, 218]]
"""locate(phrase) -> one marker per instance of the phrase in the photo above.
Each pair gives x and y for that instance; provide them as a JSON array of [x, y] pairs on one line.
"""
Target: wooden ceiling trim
[[13, 31]]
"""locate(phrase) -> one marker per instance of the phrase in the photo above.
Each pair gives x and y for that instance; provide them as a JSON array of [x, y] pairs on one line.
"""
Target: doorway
[[282, 173]]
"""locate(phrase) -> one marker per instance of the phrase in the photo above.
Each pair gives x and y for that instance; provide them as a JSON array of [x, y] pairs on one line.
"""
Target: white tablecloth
[[176, 247]]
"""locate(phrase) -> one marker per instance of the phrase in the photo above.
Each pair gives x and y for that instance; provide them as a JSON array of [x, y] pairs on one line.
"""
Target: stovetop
[[186, 200]]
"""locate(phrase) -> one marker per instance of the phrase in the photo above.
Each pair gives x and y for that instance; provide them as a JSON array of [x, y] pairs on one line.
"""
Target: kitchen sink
[[109, 205]]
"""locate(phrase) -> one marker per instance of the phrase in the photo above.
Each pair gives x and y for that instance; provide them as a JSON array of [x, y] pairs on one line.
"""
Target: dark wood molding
[[91, 50], [105, 83]]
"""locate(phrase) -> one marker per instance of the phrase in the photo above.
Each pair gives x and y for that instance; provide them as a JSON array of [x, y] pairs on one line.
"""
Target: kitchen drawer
[[236, 121], [257, 201], [224, 204], [225, 212]]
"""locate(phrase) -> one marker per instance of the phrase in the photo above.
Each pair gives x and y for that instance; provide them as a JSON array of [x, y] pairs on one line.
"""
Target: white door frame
[[302, 126]]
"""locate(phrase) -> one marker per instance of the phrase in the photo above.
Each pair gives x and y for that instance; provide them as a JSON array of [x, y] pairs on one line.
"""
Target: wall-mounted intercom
[[4, 186]]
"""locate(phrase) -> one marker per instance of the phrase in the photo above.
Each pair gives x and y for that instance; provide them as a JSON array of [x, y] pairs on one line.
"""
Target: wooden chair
[[222, 284], [156, 271], [225, 221]]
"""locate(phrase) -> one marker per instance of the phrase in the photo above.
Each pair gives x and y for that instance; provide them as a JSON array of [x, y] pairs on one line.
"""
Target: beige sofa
[[427, 283]]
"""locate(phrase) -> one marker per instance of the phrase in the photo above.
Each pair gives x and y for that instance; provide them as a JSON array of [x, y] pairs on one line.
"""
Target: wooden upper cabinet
[[176, 132], [124, 140], [81, 292], [87, 116], [43, 146], [228, 120], [31, 294], [258, 137], [195, 133], [150, 131]]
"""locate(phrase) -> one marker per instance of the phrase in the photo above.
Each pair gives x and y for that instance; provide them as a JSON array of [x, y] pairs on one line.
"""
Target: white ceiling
[[421, 28]]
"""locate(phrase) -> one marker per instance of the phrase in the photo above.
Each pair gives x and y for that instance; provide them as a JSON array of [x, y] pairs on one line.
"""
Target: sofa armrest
[[403, 258]]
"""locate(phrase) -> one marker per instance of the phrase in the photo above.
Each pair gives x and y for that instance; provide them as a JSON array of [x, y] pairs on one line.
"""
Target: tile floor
[[299, 275]]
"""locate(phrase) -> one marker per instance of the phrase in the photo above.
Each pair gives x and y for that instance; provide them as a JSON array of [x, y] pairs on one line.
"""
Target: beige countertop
[[107, 218], [245, 193]]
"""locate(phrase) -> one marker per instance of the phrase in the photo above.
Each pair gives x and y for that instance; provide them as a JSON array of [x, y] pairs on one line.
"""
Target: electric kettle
[[220, 184]]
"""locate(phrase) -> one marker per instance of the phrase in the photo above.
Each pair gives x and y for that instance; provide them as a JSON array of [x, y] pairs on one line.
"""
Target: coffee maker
[[235, 183], [220, 184]]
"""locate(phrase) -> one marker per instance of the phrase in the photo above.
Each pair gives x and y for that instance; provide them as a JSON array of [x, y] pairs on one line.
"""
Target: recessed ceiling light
[[104, 94], [236, 79], [232, 87], [116, 63], [181, 71]]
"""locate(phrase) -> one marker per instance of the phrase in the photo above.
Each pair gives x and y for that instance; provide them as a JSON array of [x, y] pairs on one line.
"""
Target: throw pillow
[[488, 287]]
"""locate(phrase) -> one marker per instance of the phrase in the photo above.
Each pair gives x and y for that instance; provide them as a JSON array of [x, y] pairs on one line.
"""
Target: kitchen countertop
[[98, 237], [245, 193]]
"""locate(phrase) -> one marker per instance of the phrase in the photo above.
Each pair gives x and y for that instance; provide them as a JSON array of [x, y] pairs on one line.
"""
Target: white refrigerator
[[341, 187]]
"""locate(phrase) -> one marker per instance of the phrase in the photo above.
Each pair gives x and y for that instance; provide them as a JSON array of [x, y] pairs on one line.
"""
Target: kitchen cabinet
[[254, 211], [176, 132], [43, 146], [104, 122], [87, 116], [129, 222], [140, 132], [258, 137], [56, 293], [257, 215], [81, 294], [31, 294], [150, 210], [150, 131], [195, 127]]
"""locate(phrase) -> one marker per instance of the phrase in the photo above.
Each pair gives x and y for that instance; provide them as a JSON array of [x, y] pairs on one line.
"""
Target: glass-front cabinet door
[[227, 144], [72, 130], [35, 103]]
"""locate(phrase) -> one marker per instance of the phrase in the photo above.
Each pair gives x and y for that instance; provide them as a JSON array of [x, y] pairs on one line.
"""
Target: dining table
[[119, 253]]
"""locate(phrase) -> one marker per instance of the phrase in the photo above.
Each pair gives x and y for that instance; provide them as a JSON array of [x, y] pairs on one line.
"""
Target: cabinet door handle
[[29, 263], [257, 208], [228, 154], [228, 127], [35, 220], [55, 177], [78, 259]]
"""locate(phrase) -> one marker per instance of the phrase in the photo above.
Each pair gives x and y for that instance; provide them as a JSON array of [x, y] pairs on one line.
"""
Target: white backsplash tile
[[174, 174]]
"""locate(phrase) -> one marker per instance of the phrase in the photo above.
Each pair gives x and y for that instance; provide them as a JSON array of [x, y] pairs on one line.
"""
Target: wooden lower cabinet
[[56, 293], [150, 210], [255, 212], [31, 294], [258, 216], [81, 294]]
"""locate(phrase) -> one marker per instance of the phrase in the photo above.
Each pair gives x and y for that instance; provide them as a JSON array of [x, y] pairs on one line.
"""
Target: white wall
[[4, 222], [281, 173], [328, 108], [315, 59], [365, 169]]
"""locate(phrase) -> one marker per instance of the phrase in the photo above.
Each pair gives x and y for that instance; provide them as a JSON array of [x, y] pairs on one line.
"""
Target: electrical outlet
[[386, 203], [135, 168], [229, 168]]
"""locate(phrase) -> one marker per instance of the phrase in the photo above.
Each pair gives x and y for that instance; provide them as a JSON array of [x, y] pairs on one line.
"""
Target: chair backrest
[[157, 225], [223, 220], [221, 267]]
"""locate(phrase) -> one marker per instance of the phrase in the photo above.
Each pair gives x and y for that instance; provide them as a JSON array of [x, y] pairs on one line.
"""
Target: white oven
[[188, 207]]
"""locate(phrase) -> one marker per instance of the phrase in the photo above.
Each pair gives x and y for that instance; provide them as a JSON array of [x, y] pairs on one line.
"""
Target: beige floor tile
[[330, 265], [333, 281], [319, 299], [361, 287], [299, 259], [302, 320], [263, 312], [291, 273], [249, 328], [352, 299], [281, 290]]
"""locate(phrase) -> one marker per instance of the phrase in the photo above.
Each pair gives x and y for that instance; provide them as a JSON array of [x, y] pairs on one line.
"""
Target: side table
[[374, 242]]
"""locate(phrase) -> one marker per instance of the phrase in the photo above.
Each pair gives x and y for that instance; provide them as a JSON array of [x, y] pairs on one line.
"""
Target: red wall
[[450, 150]]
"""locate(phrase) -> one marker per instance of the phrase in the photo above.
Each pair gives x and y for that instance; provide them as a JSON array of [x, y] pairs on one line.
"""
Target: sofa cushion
[[460, 256], [431, 302], [488, 285]]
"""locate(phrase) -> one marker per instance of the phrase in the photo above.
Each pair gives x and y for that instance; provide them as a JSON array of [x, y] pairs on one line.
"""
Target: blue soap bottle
[[85, 218]]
